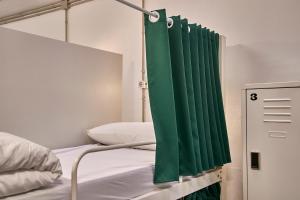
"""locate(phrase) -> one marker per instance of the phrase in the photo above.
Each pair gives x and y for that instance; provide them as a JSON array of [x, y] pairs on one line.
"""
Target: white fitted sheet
[[109, 175]]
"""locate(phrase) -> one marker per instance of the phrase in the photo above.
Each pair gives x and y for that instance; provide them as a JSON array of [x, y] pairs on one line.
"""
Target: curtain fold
[[217, 153], [162, 101], [186, 100], [202, 71], [187, 156], [215, 43], [198, 95], [217, 90], [212, 50], [190, 91]]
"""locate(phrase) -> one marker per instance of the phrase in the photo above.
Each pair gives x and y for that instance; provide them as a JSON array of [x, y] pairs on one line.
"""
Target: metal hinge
[[143, 84]]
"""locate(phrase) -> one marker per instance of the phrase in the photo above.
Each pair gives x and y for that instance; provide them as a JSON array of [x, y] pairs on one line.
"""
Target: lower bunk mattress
[[109, 175]]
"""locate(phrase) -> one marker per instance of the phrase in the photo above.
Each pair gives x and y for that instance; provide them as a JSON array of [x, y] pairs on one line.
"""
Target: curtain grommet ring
[[170, 22], [152, 18]]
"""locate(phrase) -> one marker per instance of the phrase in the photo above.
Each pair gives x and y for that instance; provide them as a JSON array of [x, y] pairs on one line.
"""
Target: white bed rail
[[178, 190], [188, 185], [74, 183]]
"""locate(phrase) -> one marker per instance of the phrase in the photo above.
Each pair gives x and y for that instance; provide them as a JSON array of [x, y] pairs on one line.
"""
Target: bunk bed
[[91, 171]]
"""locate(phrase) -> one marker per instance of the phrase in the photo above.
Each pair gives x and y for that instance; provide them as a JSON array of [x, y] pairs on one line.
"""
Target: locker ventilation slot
[[278, 114], [277, 121], [278, 134], [276, 100], [277, 107]]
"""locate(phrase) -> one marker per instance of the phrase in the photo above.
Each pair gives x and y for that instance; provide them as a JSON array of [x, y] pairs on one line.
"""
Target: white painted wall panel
[[50, 25], [111, 26], [106, 25], [51, 92]]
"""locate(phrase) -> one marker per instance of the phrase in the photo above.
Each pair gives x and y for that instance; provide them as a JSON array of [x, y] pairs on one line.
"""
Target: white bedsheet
[[110, 175]]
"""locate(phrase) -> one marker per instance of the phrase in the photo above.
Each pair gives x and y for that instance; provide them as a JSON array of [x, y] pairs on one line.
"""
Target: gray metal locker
[[271, 141]]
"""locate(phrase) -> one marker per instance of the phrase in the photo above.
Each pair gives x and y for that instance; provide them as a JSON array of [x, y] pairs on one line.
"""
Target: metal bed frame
[[74, 183], [189, 184]]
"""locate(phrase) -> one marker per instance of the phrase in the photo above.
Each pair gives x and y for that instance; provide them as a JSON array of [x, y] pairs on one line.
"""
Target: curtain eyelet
[[154, 19], [170, 22]]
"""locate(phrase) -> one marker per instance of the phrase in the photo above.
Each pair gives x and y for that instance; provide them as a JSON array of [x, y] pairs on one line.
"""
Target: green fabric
[[212, 192], [212, 50], [215, 43], [162, 101], [214, 93], [217, 153], [215, 191], [200, 195], [190, 91], [203, 80], [186, 100], [198, 95], [187, 156]]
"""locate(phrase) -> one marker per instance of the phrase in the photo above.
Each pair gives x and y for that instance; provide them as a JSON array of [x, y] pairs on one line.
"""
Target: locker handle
[[255, 160]]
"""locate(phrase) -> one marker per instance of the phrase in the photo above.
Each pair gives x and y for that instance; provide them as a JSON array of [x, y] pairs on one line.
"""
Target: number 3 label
[[253, 96]]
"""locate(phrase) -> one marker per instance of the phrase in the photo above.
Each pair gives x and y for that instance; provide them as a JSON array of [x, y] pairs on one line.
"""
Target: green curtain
[[190, 90], [212, 192], [185, 99], [162, 101], [203, 77], [215, 45]]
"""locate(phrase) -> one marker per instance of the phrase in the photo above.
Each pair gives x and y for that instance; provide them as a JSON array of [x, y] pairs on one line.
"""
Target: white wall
[[111, 26], [263, 45], [106, 25], [262, 37], [50, 25]]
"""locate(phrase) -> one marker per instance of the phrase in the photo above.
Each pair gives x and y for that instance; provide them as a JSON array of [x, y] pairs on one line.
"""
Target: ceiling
[[9, 7]]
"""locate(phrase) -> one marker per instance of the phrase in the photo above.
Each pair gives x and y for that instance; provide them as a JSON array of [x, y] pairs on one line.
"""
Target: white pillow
[[25, 166], [124, 132]]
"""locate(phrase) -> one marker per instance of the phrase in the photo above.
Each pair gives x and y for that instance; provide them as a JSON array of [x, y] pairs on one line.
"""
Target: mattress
[[108, 175]]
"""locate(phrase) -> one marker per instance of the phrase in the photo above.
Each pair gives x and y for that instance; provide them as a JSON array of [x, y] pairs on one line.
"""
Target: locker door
[[273, 144]]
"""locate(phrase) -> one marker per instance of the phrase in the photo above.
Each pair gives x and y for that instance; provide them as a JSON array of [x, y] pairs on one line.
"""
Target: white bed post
[[222, 47]]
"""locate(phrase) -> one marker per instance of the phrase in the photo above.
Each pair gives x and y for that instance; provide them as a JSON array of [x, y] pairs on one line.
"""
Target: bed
[[82, 89], [111, 175], [118, 174]]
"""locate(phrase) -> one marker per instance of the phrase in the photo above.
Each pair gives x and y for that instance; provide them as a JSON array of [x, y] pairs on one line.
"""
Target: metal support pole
[[143, 68], [66, 7], [74, 182], [66, 25]]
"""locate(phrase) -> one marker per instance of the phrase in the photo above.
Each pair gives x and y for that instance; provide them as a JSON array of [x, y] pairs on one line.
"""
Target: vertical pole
[[66, 8], [222, 47], [143, 68], [222, 43]]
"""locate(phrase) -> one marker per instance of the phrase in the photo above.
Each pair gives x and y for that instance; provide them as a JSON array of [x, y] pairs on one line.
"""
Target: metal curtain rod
[[61, 4], [138, 8]]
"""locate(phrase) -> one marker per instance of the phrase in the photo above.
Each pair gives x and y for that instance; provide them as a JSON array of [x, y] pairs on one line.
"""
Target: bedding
[[109, 175], [124, 132], [25, 166]]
